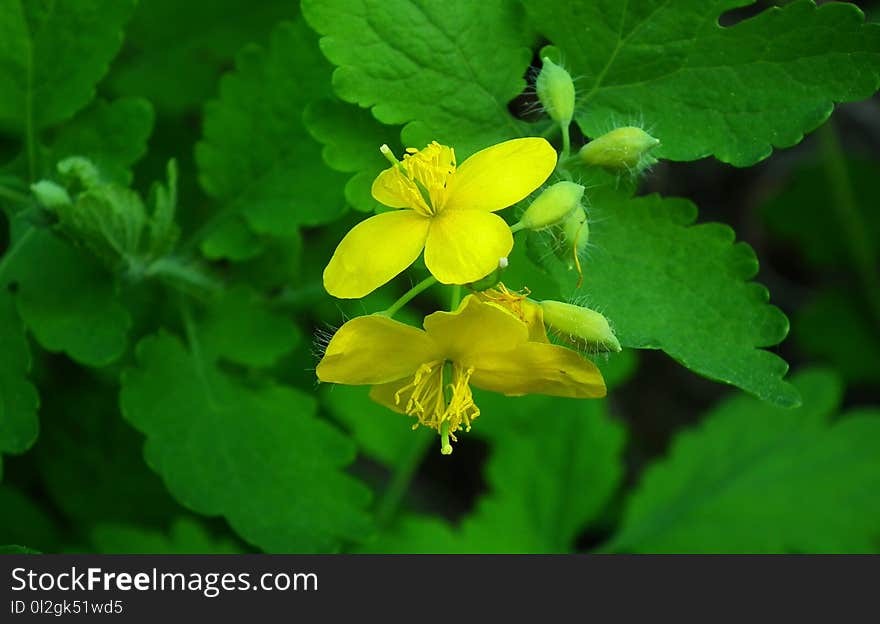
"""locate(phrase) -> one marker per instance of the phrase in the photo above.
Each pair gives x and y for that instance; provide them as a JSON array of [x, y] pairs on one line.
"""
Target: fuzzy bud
[[556, 92], [580, 327], [553, 206], [621, 149], [50, 195]]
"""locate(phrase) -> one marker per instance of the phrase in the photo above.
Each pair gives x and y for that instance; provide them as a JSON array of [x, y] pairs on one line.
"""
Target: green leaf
[[834, 328], [13, 549], [806, 213], [66, 299], [665, 283], [826, 212], [51, 56], [241, 330], [756, 478], [351, 137], [176, 51], [18, 396], [381, 434], [703, 89], [185, 537], [256, 155], [256, 455], [90, 459], [555, 464], [113, 135], [23, 521], [233, 240], [447, 71]]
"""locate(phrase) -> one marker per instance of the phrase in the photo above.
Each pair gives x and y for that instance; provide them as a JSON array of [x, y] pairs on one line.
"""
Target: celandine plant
[[488, 339], [188, 190]]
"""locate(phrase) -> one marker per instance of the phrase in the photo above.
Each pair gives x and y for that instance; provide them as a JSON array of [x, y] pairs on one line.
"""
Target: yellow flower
[[427, 373], [447, 211]]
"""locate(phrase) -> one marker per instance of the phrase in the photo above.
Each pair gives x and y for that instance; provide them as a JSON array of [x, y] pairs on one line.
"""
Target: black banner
[[141, 588]]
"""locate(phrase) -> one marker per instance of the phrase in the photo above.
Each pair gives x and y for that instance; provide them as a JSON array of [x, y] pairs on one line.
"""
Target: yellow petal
[[375, 251], [476, 326], [501, 175], [533, 316], [536, 368], [385, 394], [390, 188], [465, 245], [375, 350]]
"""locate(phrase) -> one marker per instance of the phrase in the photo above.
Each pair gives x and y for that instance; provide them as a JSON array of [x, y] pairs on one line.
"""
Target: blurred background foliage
[[669, 462]]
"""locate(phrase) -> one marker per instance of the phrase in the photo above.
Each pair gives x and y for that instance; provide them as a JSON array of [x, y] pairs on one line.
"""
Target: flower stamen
[[511, 300], [439, 396], [423, 175]]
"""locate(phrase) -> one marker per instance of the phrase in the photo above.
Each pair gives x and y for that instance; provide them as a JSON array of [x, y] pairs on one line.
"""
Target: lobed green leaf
[[703, 89], [447, 71], [555, 464], [176, 51], [18, 396], [256, 155], [67, 299], [256, 455], [186, 536], [51, 56], [756, 478], [665, 283]]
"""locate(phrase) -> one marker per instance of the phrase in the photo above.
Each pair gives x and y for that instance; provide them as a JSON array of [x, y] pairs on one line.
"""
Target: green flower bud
[[79, 169], [584, 329], [553, 206], [556, 92], [108, 220], [50, 195], [621, 149]]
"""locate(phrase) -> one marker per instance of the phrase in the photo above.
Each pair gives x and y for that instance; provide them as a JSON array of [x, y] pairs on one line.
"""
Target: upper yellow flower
[[447, 212], [427, 374]]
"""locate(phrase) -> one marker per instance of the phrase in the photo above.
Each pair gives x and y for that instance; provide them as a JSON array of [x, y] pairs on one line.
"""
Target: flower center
[[422, 177], [512, 300], [439, 397]]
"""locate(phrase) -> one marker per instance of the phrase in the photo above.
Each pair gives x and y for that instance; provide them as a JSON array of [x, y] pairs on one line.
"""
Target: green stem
[[13, 195], [401, 479], [182, 276], [455, 297], [516, 227], [566, 143], [29, 130], [406, 469], [846, 207], [195, 347], [409, 296], [15, 248]]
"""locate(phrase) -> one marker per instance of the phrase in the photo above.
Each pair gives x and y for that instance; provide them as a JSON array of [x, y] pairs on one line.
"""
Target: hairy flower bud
[[580, 327], [553, 206], [621, 149], [50, 194], [556, 92], [81, 170]]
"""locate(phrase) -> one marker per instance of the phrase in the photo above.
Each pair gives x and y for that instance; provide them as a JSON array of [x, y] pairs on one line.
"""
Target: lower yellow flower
[[427, 374]]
